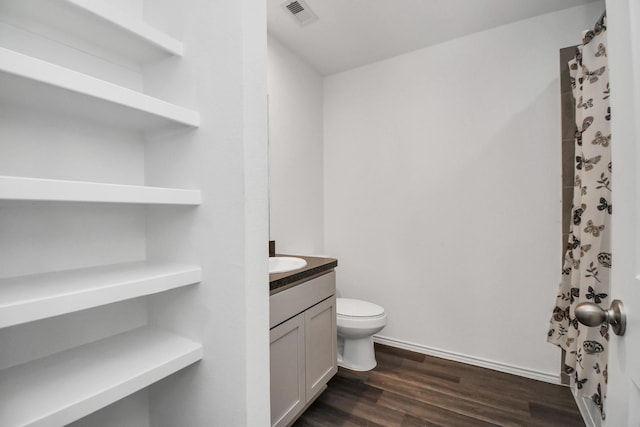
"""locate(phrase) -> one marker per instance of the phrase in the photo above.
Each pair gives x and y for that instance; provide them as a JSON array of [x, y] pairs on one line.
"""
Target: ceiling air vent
[[301, 11]]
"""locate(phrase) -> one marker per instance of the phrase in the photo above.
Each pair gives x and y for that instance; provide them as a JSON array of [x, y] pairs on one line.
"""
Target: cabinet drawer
[[286, 304]]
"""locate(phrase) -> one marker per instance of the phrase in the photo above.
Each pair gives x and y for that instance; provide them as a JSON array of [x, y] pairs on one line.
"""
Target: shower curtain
[[587, 261]]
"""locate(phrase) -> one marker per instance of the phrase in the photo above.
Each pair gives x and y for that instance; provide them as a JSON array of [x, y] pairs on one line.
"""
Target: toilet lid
[[357, 308]]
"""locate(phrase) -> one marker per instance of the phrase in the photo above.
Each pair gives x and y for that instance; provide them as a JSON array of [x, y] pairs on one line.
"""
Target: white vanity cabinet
[[303, 346]]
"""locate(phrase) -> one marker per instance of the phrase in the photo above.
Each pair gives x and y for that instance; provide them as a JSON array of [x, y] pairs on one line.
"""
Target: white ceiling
[[351, 33]]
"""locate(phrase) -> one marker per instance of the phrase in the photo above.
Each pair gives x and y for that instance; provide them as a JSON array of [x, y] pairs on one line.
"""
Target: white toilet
[[357, 321]]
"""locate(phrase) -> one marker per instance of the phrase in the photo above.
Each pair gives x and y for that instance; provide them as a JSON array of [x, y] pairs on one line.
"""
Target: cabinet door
[[321, 342], [287, 370]]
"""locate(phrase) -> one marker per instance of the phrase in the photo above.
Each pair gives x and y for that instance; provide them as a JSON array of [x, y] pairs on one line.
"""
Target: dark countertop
[[316, 266]]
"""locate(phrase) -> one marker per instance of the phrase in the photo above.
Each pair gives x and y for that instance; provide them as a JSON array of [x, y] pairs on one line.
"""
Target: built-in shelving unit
[[99, 23], [39, 84], [43, 103], [58, 389], [54, 190], [38, 296]]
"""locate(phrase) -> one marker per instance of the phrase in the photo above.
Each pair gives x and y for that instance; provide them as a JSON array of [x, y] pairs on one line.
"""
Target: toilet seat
[[358, 314], [355, 308]]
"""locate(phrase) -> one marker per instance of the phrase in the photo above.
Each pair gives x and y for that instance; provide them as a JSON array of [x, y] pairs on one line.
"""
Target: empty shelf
[[64, 387], [41, 85], [53, 190], [38, 296], [99, 23]]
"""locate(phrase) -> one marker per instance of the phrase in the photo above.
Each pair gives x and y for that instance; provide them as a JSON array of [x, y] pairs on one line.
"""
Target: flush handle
[[590, 314]]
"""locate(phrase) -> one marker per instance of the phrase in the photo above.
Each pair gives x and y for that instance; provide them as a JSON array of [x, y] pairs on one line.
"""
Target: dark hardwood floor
[[411, 389]]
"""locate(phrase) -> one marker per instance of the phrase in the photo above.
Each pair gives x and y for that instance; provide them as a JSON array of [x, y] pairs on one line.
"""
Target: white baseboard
[[470, 360]]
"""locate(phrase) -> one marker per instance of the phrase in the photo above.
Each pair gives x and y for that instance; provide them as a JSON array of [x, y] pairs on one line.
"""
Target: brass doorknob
[[590, 314]]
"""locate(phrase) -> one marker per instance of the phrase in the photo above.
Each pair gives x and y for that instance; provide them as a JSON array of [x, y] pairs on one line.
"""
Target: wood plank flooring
[[412, 389]]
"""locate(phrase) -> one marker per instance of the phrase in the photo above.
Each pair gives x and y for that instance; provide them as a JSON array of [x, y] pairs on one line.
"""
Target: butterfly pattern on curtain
[[587, 261]]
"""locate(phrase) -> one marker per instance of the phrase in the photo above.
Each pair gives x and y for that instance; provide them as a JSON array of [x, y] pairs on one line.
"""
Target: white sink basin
[[282, 264]]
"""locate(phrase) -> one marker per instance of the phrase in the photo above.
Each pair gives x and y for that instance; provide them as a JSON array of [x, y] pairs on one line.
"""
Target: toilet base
[[357, 354]]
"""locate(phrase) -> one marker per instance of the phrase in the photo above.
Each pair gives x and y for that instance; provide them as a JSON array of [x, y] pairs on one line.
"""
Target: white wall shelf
[[101, 105], [38, 84], [38, 296], [99, 23], [53, 190], [59, 389]]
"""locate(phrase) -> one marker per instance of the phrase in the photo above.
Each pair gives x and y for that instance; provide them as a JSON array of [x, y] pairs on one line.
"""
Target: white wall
[[295, 153], [442, 190], [227, 156]]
